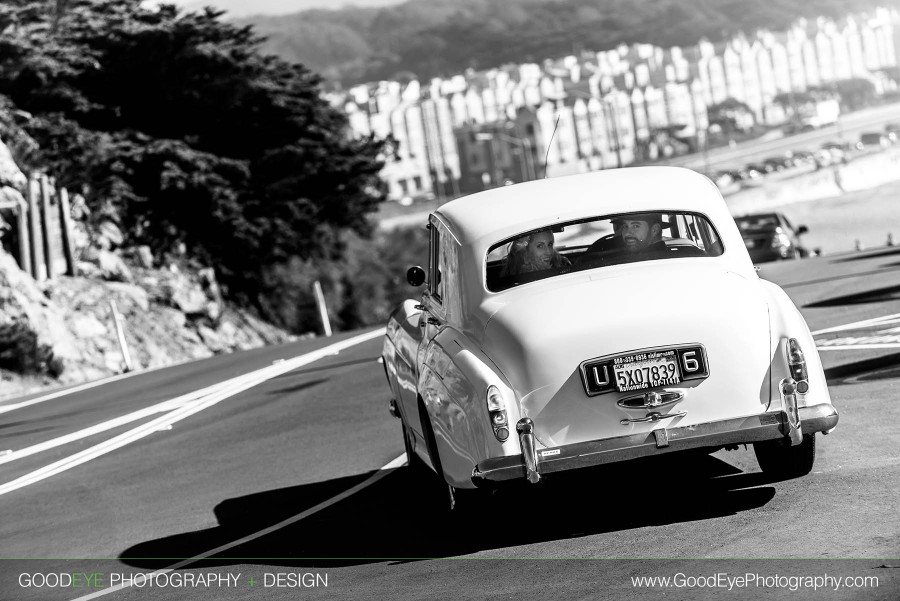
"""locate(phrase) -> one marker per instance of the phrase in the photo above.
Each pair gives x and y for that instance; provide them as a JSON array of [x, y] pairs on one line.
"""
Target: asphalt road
[[281, 473]]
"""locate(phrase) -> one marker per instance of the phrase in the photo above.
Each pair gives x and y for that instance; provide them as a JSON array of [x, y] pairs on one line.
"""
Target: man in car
[[640, 233]]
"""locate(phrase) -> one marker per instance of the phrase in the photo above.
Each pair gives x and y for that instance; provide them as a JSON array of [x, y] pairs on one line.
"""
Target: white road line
[[162, 407], [73, 390], [381, 473], [246, 382], [875, 321], [856, 347], [86, 386]]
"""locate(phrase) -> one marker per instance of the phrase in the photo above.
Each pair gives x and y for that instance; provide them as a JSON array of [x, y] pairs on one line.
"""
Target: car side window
[[787, 223], [435, 285]]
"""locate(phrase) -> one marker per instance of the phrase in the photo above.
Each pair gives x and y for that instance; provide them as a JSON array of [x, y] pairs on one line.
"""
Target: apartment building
[[607, 109]]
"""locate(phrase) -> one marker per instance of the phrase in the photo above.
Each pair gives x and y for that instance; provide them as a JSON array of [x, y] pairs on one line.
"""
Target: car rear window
[[599, 242], [757, 222]]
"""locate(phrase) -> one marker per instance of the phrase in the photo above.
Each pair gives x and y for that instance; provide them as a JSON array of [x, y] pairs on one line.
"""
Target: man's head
[[638, 231]]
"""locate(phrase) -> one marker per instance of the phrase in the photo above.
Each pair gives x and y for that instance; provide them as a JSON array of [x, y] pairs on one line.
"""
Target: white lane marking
[[85, 386], [381, 473], [856, 347], [875, 321], [162, 407], [56, 395], [248, 381]]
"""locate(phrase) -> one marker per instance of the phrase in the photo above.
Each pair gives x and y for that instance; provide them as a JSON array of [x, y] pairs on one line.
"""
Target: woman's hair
[[517, 260]]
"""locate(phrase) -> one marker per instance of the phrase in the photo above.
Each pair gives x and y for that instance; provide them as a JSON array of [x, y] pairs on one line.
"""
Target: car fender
[[401, 343], [453, 385], [786, 322]]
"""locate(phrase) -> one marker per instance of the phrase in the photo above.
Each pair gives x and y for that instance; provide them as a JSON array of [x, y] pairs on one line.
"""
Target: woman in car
[[533, 252]]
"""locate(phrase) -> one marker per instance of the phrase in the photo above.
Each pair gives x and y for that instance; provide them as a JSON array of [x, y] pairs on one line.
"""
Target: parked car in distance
[[802, 158], [873, 141], [771, 237], [761, 168], [824, 158], [778, 163], [893, 132], [592, 319], [840, 151]]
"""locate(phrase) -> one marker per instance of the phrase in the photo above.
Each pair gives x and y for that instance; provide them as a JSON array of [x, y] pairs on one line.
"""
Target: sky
[[244, 8]]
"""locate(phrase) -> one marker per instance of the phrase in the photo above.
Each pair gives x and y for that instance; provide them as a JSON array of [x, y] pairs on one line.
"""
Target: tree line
[[175, 126], [431, 38]]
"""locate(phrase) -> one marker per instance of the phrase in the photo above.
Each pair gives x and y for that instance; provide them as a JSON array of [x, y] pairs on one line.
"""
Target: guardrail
[[43, 229]]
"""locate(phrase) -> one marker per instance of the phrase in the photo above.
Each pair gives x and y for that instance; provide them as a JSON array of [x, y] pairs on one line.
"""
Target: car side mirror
[[802, 230], [415, 276]]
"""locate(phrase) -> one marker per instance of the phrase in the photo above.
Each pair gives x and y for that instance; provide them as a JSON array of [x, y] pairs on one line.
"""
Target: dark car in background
[[873, 141], [771, 237]]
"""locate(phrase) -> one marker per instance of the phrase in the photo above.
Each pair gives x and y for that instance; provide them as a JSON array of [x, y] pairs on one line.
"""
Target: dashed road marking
[[876, 333]]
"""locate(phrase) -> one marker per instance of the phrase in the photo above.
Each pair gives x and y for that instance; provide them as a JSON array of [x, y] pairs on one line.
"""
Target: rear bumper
[[768, 426]]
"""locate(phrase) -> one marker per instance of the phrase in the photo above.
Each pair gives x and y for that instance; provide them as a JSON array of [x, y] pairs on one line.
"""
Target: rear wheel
[[458, 501], [414, 462], [779, 459], [464, 501]]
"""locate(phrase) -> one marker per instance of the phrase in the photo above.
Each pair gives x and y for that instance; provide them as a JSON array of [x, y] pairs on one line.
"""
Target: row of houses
[[457, 135]]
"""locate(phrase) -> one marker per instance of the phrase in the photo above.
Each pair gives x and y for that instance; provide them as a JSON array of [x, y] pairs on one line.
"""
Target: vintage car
[[621, 341]]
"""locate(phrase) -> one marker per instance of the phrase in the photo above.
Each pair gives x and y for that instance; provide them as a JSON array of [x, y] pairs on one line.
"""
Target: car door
[[791, 232], [433, 316]]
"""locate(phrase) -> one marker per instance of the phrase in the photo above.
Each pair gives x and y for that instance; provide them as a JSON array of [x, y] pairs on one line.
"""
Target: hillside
[[444, 37]]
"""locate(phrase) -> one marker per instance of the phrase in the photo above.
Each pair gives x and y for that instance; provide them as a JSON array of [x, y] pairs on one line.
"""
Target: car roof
[[503, 212], [757, 215]]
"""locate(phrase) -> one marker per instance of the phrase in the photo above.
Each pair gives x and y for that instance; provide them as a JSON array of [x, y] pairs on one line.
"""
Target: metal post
[[523, 166], [118, 321], [323, 310], [65, 215], [38, 264], [24, 239], [705, 151], [45, 224], [498, 169], [529, 164]]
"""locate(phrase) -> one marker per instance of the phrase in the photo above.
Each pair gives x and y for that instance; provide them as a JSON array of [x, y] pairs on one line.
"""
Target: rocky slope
[[62, 331]]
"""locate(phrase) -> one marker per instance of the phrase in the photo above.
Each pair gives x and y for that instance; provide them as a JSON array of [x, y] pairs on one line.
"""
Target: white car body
[[531, 342]]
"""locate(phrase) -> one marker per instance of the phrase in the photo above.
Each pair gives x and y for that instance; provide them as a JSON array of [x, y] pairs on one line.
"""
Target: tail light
[[797, 365], [497, 412], [781, 240]]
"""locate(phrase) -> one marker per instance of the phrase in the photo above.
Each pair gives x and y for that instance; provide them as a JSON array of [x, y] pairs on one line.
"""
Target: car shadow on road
[[402, 516], [883, 367], [879, 295]]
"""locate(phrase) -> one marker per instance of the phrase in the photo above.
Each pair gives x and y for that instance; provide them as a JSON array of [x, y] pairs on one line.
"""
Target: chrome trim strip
[[652, 399], [742, 430], [653, 416]]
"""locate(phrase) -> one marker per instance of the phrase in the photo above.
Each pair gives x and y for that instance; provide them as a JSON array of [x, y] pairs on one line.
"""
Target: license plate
[[646, 370]]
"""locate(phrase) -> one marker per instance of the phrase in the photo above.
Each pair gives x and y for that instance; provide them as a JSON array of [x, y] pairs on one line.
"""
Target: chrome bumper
[[768, 426]]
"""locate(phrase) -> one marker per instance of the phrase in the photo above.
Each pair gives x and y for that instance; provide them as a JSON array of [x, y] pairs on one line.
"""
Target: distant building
[[607, 109]]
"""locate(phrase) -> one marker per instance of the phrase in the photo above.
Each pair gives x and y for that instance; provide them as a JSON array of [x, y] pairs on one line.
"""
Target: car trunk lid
[[540, 340]]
